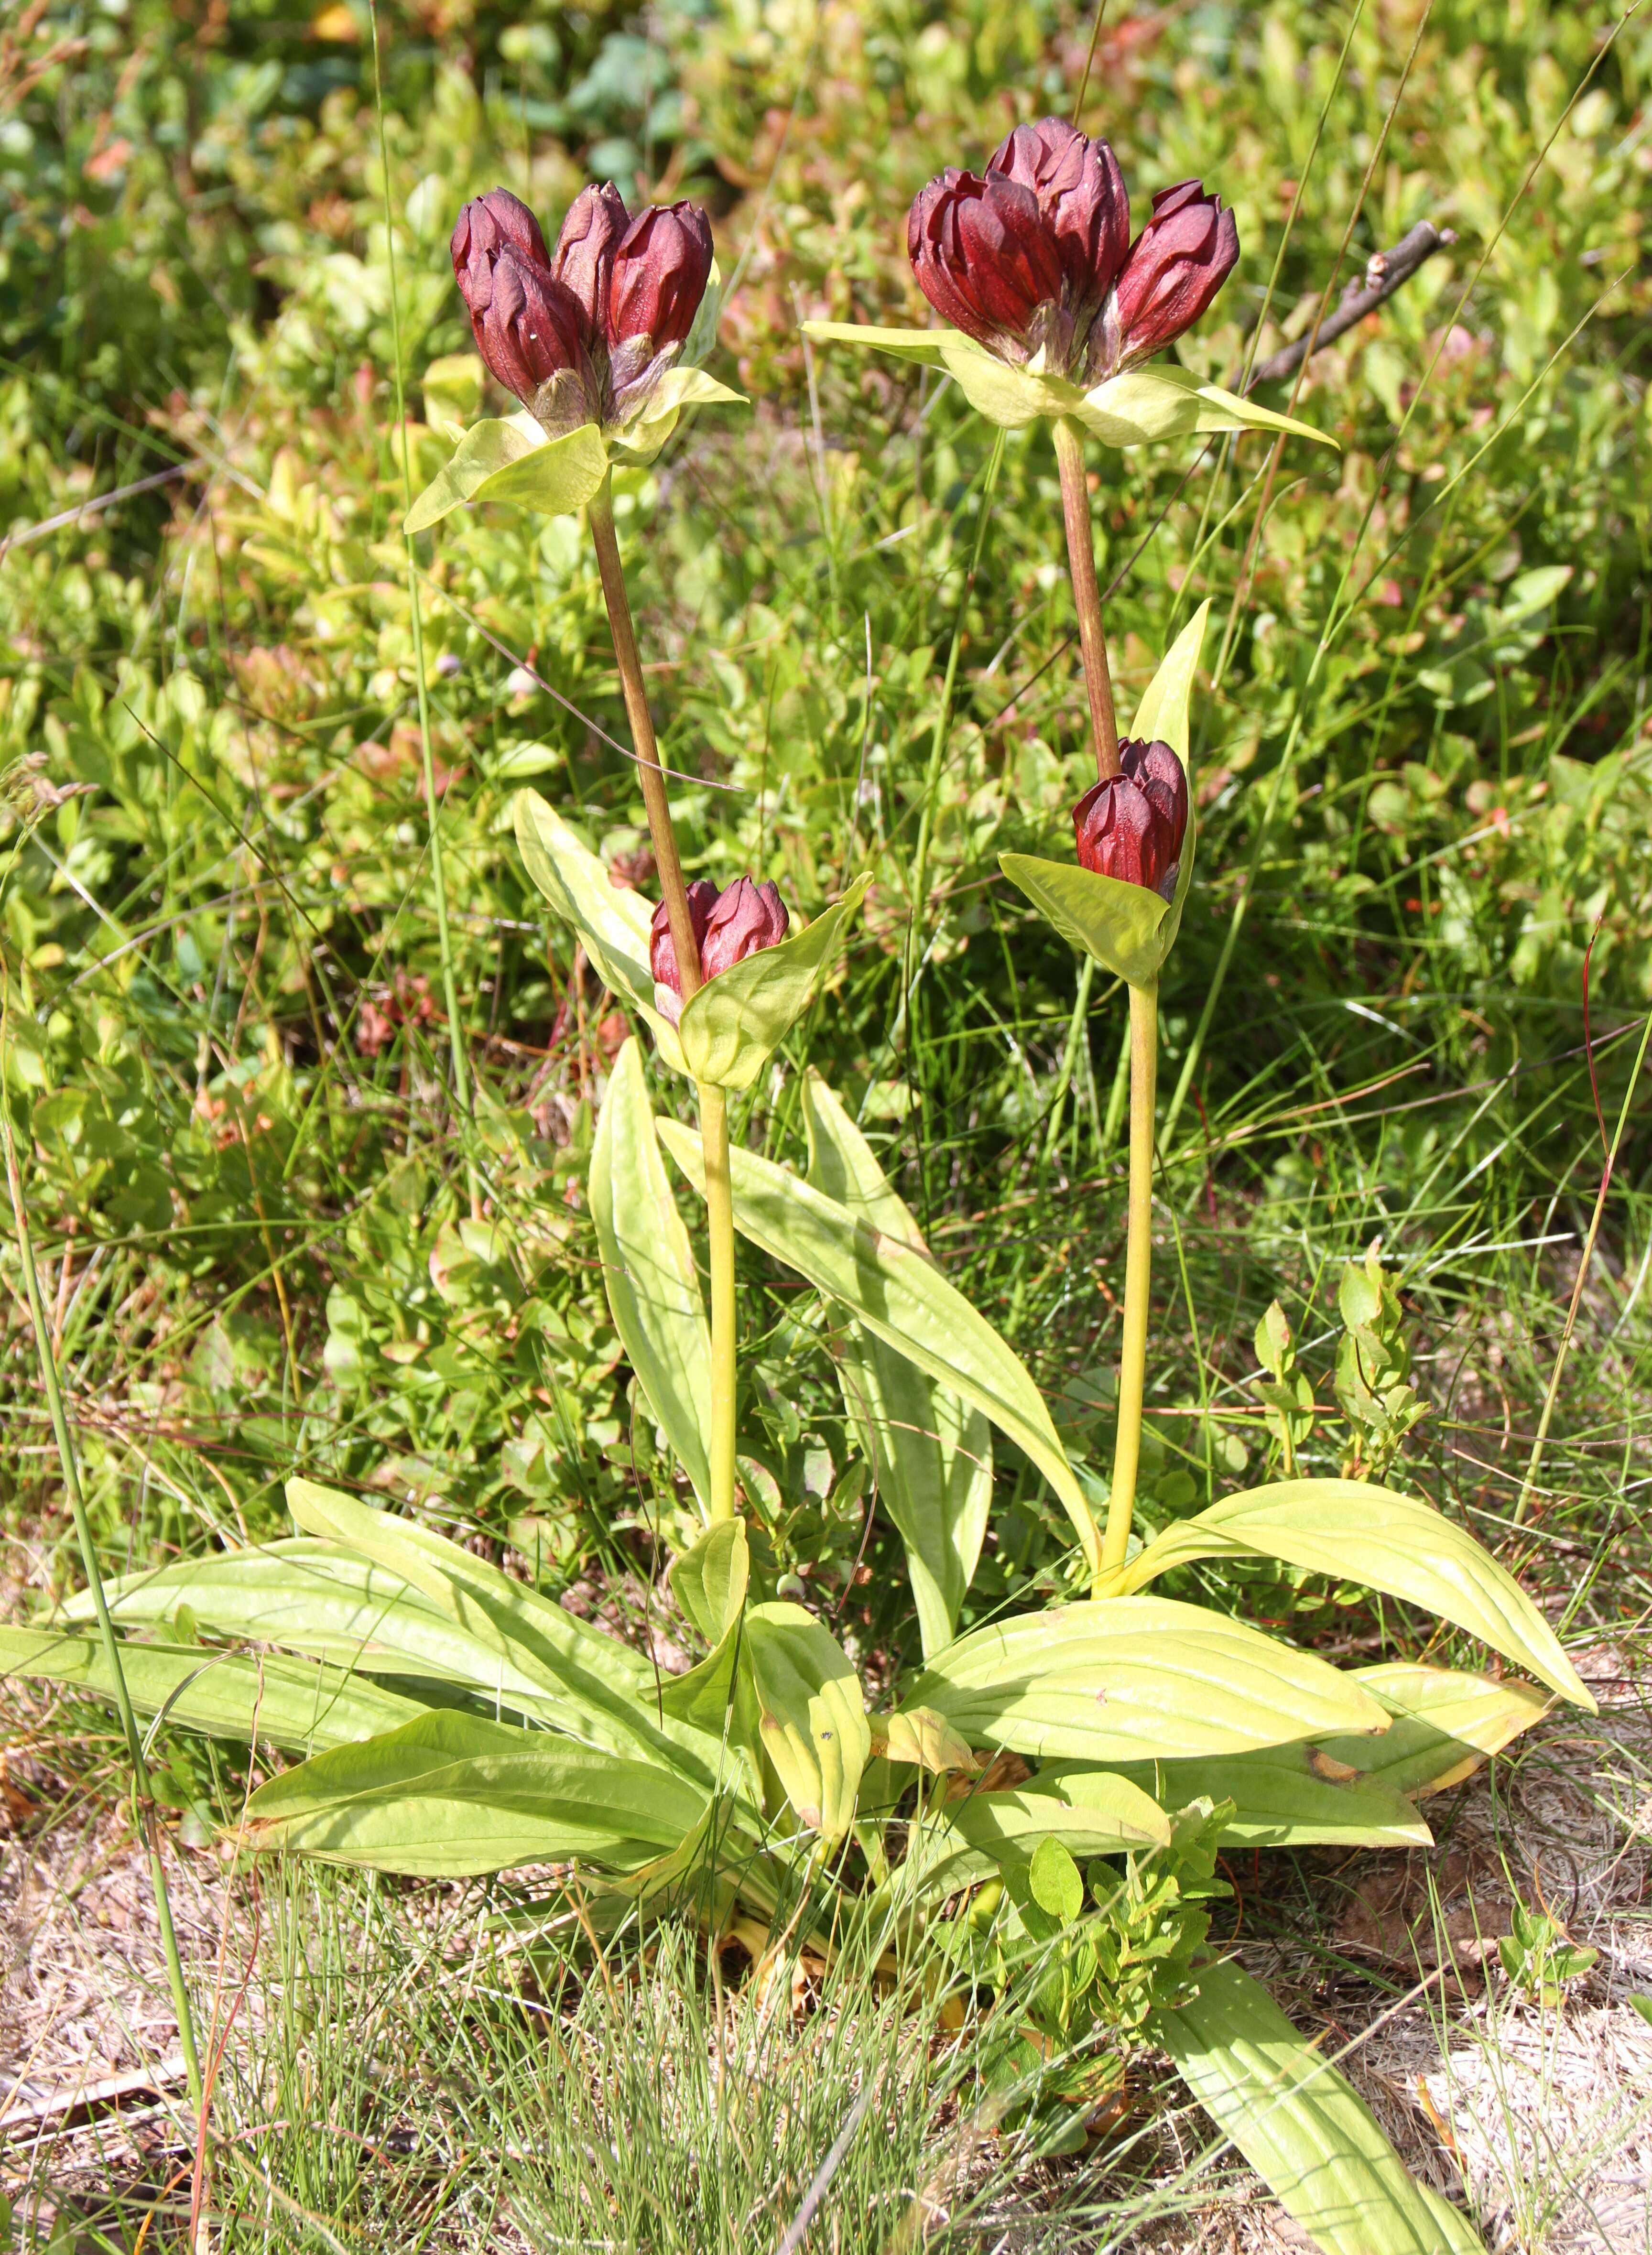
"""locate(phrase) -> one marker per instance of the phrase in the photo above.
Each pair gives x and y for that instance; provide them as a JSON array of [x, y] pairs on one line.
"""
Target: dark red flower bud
[[1131, 825], [1080, 193], [527, 327], [1175, 267], [987, 260], [583, 260], [660, 272], [662, 949], [747, 918]]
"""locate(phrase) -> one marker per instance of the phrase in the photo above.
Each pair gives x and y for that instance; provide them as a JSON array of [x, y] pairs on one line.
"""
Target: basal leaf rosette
[[726, 1033], [1128, 928]]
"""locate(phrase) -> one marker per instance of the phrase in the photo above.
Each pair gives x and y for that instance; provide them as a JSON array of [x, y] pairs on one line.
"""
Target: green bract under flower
[[511, 458], [1131, 409]]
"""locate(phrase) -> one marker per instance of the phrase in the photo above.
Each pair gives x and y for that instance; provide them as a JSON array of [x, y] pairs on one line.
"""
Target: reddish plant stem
[[1086, 596]]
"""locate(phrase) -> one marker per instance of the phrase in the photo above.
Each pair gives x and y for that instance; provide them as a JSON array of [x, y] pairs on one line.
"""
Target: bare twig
[[1385, 273], [91, 505]]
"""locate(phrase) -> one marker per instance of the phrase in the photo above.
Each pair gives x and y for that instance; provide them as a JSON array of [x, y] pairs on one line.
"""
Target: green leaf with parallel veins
[[1137, 1679], [512, 461], [931, 1451], [710, 1583], [299, 1704], [1012, 397], [1445, 1724], [732, 1027], [811, 1714], [453, 1796], [1302, 2126], [899, 1294], [612, 923], [1165, 712], [1295, 1796], [979, 1834], [1166, 402], [1393, 1542], [647, 1269]]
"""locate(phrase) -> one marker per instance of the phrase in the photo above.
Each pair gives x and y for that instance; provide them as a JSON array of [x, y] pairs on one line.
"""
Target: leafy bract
[[1302, 2126], [710, 1581], [1393, 1542], [641, 438], [301, 1705], [647, 1269], [811, 1715], [611, 921], [1294, 1797], [899, 1294], [1129, 929], [1131, 409], [1137, 1679], [511, 460], [930, 1450], [454, 1795], [731, 1028]]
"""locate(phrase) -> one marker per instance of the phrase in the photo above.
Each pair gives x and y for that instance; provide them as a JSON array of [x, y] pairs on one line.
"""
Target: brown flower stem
[[674, 891], [719, 1219], [1086, 596], [1138, 1267]]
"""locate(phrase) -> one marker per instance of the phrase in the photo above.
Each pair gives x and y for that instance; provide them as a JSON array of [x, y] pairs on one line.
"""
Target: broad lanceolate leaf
[[899, 1294], [512, 461], [1445, 1724], [974, 1835], [300, 1704], [648, 1269], [1137, 1679], [1167, 402], [810, 1713], [612, 923], [1129, 929], [1393, 1542], [931, 1451], [1294, 1797], [1302, 2126], [736, 1021], [612, 1685], [452, 1796], [919, 345]]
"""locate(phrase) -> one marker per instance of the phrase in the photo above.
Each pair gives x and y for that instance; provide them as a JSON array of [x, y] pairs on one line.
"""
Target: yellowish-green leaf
[[1165, 713], [1121, 925], [612, 922], [932, 1450], [899, 1294], [1357, 1532], [811, 1715], [512, 461], [976, 1835], [1295, 1796], [455, 1795], [648, 1269], [1009, 396], [1302, 2126], [1167, 402], [734, 1024], [1137, 1679], [1445, 1724], [921, 344], [919, 1736], [301, 1705], [710, 1581]]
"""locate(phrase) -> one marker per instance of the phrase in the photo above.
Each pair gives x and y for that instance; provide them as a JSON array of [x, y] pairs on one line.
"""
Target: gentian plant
[[1048, 1789]]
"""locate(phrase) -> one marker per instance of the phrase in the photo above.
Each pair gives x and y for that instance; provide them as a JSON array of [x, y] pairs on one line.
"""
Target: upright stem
[[67, 1458], [674, 891], [1138, 1265], [1086, 596], [719, 1219]]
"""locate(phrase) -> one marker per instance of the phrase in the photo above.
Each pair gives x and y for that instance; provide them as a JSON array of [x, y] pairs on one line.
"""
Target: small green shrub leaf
[[647, 1269], [1302, 2126], [1393, 1542], [1054, 1880]]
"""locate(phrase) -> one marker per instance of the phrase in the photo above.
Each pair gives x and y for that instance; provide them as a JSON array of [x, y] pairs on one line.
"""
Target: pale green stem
[[1086, 595], [1138, 1269], [719, 1224], [67, 1458]]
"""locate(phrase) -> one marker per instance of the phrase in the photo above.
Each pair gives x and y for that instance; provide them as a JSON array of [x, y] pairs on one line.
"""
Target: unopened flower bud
[[662, 948], [527, 327], [1176, 266], [660, 273], [729, 927], [1131, 825]]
